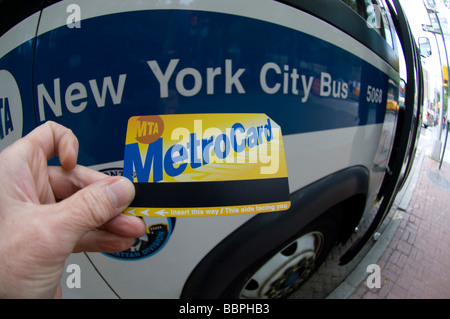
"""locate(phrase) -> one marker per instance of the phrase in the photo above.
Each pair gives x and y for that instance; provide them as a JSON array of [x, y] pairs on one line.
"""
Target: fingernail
[[121, 192]]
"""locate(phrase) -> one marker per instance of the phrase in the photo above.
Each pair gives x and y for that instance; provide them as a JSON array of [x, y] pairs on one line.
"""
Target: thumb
[[96, 204]]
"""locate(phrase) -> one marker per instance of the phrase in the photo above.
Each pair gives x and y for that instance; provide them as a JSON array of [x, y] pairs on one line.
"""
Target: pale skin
[[46, 213]]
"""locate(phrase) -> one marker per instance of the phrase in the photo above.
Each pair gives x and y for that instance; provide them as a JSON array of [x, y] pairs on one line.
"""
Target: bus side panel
[[326, 91]]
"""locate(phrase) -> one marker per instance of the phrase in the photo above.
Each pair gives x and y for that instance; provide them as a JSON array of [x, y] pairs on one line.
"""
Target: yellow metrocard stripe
[[208, 211], [203, 147]]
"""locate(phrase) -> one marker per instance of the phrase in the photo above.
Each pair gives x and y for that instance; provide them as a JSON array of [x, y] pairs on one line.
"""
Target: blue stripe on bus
[[77, 63]]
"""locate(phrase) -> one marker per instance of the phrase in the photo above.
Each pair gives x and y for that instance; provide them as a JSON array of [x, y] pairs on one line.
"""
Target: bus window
[[386, 22], [375, 13], [357, 6]]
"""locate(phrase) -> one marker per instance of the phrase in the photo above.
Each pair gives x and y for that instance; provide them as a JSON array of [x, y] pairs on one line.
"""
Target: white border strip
[[21, 33]]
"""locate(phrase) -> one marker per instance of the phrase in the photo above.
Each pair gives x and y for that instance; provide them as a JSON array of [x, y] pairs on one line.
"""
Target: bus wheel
[[284, 271]]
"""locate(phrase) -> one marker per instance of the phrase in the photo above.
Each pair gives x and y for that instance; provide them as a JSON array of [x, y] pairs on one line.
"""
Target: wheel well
[[349, 213], [341, 195]]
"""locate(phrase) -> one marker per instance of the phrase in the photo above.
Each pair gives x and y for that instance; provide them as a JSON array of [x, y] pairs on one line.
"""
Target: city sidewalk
[[416, 261]]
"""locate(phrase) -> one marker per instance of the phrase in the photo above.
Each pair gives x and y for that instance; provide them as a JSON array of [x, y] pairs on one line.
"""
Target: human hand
[[46, 213]]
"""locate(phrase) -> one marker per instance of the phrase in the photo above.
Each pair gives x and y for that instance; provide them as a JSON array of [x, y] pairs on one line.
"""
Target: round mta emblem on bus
[[157, 234]]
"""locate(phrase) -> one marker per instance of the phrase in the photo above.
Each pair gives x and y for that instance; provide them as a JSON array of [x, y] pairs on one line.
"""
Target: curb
[[359, 274]]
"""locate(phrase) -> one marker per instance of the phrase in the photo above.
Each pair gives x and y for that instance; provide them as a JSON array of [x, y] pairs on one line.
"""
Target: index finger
[[54, 139]]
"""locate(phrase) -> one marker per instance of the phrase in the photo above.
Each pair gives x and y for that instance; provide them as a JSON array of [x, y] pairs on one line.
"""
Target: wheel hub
[[285, 271], [292, 278]]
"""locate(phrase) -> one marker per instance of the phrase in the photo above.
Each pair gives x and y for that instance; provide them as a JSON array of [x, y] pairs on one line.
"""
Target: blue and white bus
[[328, 72]]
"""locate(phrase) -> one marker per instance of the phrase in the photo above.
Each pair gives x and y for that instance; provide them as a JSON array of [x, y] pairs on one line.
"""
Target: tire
[[320, 215], [281, 273], [261, 273]]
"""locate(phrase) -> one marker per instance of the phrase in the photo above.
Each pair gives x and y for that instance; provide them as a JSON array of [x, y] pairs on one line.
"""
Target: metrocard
[[199, 150]]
